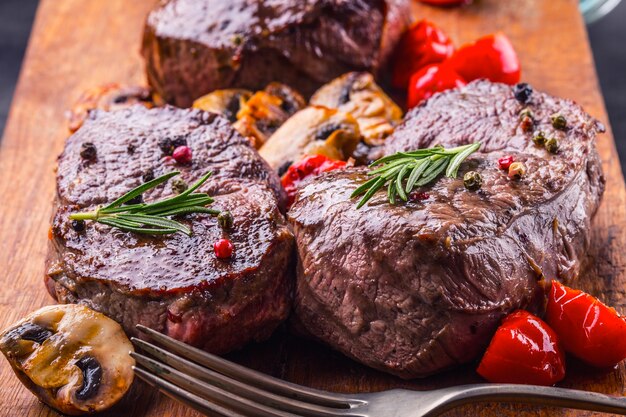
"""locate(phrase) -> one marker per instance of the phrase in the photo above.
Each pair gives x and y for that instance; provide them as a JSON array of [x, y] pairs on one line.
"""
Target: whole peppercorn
[[166, 146], [148, 175], [552, 145], [179, 186], [225, 220], [472, 180], [88, 151], [517, 170], [506, 161], [522, 92], [223, 249], [416, 196], [526, 112], [78, 225], [527, 124], [539, 138], [182, 155], [131, 148], [558, 121]]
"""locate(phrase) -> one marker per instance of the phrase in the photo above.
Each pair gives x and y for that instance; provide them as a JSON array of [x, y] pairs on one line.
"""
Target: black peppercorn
[[78, 225], [522, 92], [131, 148], [552, 145], [558, 121], [88, 151], [166, 146], [148, 175], [225, 220], [539, 138], [472, 180], [179, 186]]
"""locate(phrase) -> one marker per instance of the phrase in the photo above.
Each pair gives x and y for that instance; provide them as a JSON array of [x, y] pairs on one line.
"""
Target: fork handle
[[531, 394]]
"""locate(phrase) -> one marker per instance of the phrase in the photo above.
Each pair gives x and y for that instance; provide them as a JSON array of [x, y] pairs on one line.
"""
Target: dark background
[[608, 41]]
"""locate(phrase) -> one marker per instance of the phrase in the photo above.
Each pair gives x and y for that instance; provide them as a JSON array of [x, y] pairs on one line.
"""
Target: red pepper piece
[[223, 248], [430, 80], [524, 350], [308, 166], [446, 3], [588, 329], [506, 161], [492, 57], [421, 45]]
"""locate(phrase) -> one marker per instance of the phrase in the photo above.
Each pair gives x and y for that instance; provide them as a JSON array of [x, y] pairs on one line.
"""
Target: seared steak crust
[[173, 283], [193, 47], [415, 288]]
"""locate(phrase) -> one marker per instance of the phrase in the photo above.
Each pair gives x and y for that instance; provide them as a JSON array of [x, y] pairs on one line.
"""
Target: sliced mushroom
[[74, 359], [256, 116], [358, 94], [316, 130], [110, 97], [225, 102]]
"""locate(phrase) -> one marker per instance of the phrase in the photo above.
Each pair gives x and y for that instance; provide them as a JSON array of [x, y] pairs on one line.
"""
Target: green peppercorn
[[539, 138], [179, 186], [558, 121], [472, 180], [552, 145], [225, 220], [526, 112]]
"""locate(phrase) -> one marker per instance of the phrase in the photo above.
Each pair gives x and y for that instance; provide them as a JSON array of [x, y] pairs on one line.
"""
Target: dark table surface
[[608, 41]]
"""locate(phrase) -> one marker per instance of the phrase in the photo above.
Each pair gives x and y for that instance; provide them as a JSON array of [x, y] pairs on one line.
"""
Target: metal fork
[[215, 386]]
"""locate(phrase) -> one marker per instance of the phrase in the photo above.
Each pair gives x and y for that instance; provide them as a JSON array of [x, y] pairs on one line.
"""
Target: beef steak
[[193, 47], [173, 283], [415, 288]]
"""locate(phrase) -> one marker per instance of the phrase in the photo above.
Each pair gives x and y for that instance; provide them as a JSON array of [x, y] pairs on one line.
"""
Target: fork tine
[[214, 394], [183, 396], [249, 376], [186, 369]]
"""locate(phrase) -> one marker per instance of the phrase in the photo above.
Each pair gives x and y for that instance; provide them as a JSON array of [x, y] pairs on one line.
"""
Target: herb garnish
[[419, 167], [152, 218]]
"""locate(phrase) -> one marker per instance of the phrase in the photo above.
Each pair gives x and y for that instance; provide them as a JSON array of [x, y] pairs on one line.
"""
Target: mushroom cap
[[74, 359]]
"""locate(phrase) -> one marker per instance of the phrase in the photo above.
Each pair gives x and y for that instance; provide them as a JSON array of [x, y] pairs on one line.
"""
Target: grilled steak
[[173, 283], [415, 288], [193, 47]]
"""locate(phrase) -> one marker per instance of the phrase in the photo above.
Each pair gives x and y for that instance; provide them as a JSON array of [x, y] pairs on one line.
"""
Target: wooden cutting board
[[78, 44]]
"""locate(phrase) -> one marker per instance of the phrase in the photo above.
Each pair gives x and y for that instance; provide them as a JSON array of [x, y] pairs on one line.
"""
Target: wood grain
[[77, 44]]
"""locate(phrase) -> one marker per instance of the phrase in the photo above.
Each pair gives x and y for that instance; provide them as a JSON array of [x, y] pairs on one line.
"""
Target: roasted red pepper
[[423, 44], [524, 350], [430, 80], [588, 329], [446, 2], [492, 57], [308, 166]]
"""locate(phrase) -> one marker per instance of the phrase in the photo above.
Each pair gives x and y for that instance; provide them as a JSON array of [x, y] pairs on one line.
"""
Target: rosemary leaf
[[403, 171], [152, 218]]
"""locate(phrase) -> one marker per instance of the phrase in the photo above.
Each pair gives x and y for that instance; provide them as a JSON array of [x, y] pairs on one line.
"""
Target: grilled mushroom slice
[[110, 97], [256, 116], [225, 102], [358, 94], [316, 130], [74, 359]]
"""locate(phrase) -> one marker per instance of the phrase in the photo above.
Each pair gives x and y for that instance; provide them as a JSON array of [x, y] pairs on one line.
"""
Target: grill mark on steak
[[194, 47], [173, 283], [416, 288]]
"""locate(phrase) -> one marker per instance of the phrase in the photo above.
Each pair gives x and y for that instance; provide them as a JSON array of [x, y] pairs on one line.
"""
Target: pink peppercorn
[[415, 196], [223, 248], [182, 155], [505, 162]]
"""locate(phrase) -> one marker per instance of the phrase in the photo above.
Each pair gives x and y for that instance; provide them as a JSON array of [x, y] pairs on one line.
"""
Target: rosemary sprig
[[152, 218], [403, 171]]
